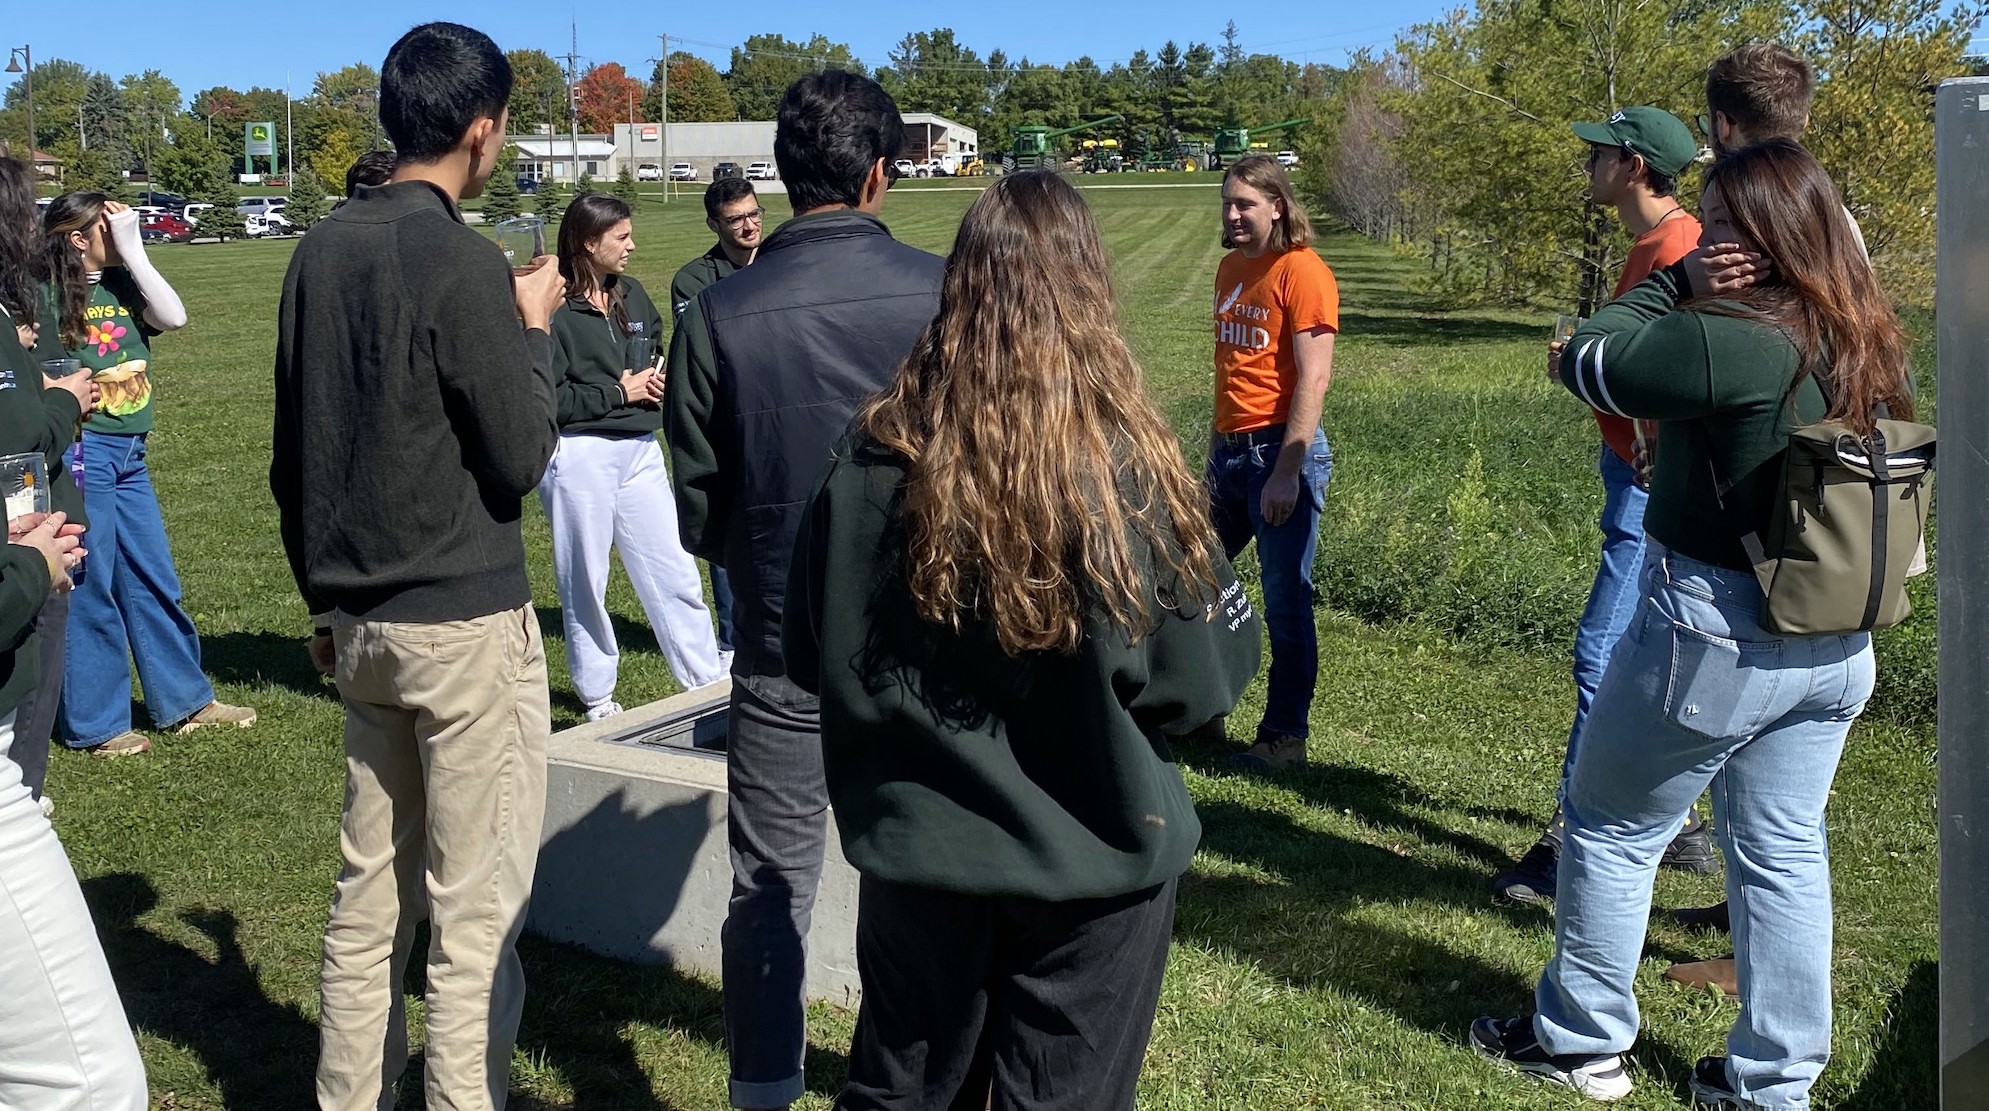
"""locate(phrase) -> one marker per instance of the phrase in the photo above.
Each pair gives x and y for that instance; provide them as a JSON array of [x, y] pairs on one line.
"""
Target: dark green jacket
[[954, 766], [1718, 386], [707, 269], [590, 352], [29, 422]]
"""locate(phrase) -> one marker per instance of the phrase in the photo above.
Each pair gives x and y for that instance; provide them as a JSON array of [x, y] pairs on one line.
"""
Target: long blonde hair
[[1040, 475]]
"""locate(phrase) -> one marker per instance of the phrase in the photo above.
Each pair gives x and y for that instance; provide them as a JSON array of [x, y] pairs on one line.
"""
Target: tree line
[[1454, 145]]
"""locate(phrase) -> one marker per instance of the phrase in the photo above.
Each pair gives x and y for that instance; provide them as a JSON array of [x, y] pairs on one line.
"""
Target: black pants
[[1051, 1002]]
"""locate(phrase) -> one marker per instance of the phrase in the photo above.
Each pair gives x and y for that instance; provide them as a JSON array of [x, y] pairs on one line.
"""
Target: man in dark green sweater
[[413, 415]]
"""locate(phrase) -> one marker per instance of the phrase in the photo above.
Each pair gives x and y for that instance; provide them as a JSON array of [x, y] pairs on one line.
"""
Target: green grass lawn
[[1335, 936]]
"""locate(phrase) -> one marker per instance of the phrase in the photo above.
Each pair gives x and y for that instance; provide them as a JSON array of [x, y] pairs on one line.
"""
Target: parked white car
[[935, 167], [683, 171], [264, 224], [1287, 158], [648, 171], [906, 167], [260, 206], [761, 171], [191, 214]]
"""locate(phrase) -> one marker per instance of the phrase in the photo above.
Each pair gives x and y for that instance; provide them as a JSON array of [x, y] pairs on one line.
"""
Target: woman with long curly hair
[[1007, 594], [106, 304], [1700, 692]]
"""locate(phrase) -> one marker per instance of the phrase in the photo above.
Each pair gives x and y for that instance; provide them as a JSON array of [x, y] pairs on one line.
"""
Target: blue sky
[[203, 44]]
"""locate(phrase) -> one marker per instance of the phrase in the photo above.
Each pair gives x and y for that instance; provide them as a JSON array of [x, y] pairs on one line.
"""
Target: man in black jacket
[[766, 369], [413, 414]]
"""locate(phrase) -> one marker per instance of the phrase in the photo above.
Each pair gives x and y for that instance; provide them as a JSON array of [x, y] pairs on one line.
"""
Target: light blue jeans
[[1697, 692]]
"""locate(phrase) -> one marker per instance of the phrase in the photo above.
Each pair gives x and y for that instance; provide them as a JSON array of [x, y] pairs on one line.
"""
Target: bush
[[501, 200], [625, 186]]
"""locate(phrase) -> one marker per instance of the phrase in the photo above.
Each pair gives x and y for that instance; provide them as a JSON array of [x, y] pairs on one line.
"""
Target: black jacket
[[413, 414], [766, 369]]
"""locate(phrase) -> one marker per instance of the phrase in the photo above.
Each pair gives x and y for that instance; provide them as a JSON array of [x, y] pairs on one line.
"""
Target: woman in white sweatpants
[[607, 486]]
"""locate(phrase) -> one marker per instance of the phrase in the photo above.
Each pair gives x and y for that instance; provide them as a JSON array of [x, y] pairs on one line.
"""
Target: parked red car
[[166, 226]]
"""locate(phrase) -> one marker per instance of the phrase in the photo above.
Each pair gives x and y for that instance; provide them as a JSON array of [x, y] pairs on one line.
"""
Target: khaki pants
[[445, 745]]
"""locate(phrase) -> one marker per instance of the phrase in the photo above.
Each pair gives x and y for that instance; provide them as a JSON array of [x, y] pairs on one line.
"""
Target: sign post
[[1961, 313]]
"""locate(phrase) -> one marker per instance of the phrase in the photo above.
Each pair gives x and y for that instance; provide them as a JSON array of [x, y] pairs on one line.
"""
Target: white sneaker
[[47, 808], [606, 709]]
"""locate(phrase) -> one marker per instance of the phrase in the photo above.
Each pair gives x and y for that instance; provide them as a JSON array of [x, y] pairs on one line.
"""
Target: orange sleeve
[[1681, 238], [1311, 295]]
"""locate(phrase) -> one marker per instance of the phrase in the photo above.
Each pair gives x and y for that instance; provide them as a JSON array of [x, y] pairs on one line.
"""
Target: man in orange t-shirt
[[1277, 309], [1633, 164]]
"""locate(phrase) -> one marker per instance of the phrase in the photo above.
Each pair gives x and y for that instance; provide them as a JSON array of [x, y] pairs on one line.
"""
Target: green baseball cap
[[1662, 138]]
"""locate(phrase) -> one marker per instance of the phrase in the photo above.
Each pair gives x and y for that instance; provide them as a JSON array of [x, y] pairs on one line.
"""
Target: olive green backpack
[[1847, 527]]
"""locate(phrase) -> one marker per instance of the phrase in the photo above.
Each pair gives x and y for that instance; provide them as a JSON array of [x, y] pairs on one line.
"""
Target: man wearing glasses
[[732, 211]]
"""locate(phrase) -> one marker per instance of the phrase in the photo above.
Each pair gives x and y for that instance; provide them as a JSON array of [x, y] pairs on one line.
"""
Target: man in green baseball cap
[[1661, 139], [1633, 164]]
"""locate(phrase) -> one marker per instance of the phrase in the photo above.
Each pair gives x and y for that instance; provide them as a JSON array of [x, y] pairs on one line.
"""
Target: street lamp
[[20, 60]]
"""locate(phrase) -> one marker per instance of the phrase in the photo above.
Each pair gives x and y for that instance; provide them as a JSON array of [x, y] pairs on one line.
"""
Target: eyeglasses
[[1705, 126], [891, 174], [744, 218]]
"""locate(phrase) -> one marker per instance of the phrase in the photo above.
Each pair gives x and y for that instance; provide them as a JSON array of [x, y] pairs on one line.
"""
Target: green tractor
[[1034, 145], [1232, 143], [1103, 156]]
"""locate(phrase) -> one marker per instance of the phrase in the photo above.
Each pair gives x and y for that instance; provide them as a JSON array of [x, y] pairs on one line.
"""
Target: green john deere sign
[[259, 140]]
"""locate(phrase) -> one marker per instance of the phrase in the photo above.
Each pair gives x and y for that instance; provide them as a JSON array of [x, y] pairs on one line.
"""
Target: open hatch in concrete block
[[634, 862]]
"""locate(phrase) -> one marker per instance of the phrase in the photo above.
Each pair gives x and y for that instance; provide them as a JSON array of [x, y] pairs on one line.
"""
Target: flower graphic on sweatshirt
[[104, 336]]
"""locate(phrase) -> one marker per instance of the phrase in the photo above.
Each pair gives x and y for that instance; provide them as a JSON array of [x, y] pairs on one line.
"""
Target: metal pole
[[289, 135], [573, 100], [1961, 322], [28, 81], [663, 128]]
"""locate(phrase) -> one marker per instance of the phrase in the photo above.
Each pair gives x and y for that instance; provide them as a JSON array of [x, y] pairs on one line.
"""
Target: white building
[[551, 157], [928, 137], [703, 145]]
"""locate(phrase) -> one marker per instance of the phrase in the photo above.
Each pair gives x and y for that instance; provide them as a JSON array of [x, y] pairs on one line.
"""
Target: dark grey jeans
[[777, 825], [34, 719]]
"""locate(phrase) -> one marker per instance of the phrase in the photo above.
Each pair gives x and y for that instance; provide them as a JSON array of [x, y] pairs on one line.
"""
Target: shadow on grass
[[1304, 930], [261, 1054], [1904, 1070], [248, 659], [1438, 331], [613, 879]]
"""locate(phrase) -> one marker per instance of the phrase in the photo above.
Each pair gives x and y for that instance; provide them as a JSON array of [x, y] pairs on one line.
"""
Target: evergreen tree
[[222, 222], [500, 197], [551, 201], [97, 171], [586, 185], [307, 200], [625, 185]]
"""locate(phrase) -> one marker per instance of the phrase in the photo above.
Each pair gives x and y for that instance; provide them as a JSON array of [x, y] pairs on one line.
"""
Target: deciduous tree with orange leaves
[[608, 96]]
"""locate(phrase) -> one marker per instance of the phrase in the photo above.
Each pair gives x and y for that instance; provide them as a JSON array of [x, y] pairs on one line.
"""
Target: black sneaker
[[1692, 851], [1510, 1041], [1531, 881], [1713, 918], [1710, 1087]]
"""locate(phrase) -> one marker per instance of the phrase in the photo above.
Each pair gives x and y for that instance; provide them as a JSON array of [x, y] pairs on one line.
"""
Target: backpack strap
[[1881, 515], [1750, 540]]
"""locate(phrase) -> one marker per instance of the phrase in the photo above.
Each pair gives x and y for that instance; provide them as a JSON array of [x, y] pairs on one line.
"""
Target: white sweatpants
[[64, 1041], [603, 492]]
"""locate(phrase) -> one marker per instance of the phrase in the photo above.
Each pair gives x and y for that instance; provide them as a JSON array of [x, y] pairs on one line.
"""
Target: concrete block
[[633, 862]]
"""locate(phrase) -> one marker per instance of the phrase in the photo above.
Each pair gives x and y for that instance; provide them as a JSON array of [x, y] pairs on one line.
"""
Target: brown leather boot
[[1700, 975]]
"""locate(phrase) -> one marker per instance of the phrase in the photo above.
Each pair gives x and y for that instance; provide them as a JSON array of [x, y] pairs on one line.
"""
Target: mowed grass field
[[1335, 936]]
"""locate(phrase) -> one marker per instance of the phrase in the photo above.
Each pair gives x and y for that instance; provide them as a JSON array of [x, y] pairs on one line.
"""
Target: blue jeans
[[1700, 693], [1236, 476], [1613, 598], [126, 606]]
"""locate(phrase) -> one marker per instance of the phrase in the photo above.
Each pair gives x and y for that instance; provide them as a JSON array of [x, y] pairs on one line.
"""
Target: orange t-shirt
[[1260, 303], [1654, 250]]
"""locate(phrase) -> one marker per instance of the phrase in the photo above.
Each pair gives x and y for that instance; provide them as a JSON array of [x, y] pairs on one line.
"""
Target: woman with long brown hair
[[1699, 692], [607, 487], [1007, 594], [106, 306]]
